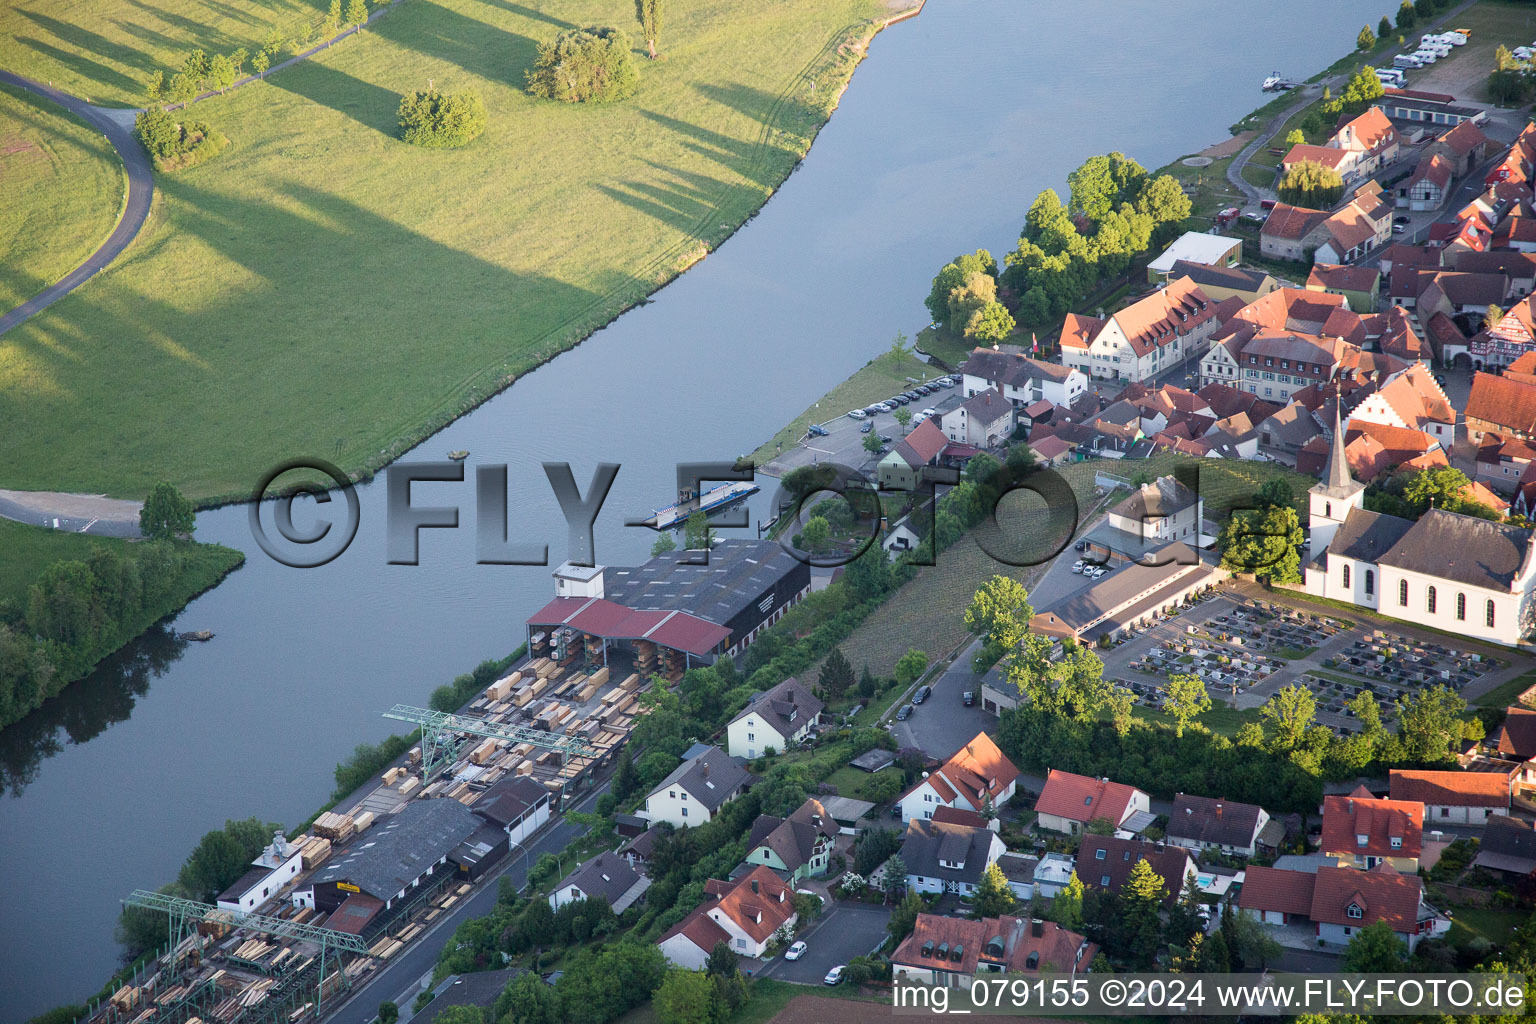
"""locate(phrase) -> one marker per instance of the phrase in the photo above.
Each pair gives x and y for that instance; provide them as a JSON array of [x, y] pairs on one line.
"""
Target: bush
[[584, 65], [1309, 183], [176, 145], [439, 120]]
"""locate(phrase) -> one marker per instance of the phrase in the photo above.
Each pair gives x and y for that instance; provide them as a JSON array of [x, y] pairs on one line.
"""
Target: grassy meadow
[[323, 287], [63, 189]]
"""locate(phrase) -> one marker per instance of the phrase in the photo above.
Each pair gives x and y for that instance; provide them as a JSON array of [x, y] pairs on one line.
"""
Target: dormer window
[[1397, 842], [1099, 854], [1355, 912], [1361, 840], [927, 949]]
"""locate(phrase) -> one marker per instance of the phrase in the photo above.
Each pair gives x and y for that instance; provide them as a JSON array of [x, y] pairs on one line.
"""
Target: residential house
[[777, 718], [1054, 873], [1500, 405], [1512, 337], [795, 847], [1020, 870], [1358, 149], [1518, 267], [1358, 285], [948, 858], [1220, 364], [1052, 451], [1365, 831], [1508, 848], [1196, 247], [518, 803], [1145, 338], [1289, 232], [1068, 802], [1355, 228], [1463, 147], [1222, 282], [744, 914], [1453, 292], [1105, 862], [1412, 399], [1453, 797], [901, 468], [1164, 509], [1339, 901], [952, 952], [1022, 380], [984, 420], [1215, 823], [1288, 431], [606, 877], [1277, 364], [1430, 184], [1504, 463], [696, 789], [977, 777], [1373, 449]]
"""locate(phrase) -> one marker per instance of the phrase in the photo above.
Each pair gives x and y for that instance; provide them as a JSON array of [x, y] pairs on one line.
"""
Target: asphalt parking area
[[844, 931]]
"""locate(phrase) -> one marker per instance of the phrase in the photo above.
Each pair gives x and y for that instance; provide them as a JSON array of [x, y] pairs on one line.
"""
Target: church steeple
[[1337, 481], [1331, 500]]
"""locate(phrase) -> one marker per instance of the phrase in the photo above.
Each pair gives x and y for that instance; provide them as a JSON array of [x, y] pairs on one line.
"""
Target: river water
[[948, 130]]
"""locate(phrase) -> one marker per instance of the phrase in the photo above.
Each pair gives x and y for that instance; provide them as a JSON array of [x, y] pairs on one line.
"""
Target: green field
[[105, 50], [323, 288], [63, 188]]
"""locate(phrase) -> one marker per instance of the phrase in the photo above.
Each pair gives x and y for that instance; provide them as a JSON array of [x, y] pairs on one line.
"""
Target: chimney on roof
[[1036, 927], [754, 885]]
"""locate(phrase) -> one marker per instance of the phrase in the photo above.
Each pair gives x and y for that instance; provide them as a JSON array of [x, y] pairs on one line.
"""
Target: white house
[[1021, 379], [984, 420], [1068, 802], [777, 718], [744, 914], [519, 804], [1208, 823], [278, 865], [1164, 509], [1454, 797], [976, 777], [1148, 337], [606, 877], [696, 789], [941, 857]]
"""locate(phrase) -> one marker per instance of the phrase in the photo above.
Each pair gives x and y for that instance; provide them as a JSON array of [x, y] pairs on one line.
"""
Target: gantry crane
[[441, 740]]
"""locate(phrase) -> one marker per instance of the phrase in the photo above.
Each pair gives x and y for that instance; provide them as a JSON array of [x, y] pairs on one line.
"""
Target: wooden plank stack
[[335, 827]]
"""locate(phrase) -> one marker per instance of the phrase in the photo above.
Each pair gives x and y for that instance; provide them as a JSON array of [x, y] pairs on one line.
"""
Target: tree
[[687, 997], [237, 60], [357, 13], [1366, 39], [272, 43], [1311, 184], [584, 65], [166, 515], [1275, 493], [884, 787], [1186, 700], [910, 665], [836, 674], [899, 349], [1383, 29], [993, 895], [1163, 200], [388, 1012], [261, 62], [537, 924], [990, 324], [696, 531], [1266, 542], [874, 847], [1248, 941], [902, 415], [952, 277], [1286, 717], [221, 72], [332, 19], [873, 444], [460, 1015], [1103, 183], [438, 120], [1436, 487], [723, 961], [624, 781], [1067, 905], [1141, 904], [1295, 137], [904, 918], [527, 999], [213, 865], [1407, 17], [1375, 949], [816, 533], [1000, 611], [1184, 919], [1429, 724], [1492, 317], [649, 14], [663, 544]]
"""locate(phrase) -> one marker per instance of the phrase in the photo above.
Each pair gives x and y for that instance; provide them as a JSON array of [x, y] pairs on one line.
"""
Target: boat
[[713, 500], [1275, 83], [458, 456], [200, 635]]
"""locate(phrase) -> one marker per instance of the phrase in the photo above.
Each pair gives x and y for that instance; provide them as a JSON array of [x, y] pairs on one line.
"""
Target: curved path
[[117, 126]]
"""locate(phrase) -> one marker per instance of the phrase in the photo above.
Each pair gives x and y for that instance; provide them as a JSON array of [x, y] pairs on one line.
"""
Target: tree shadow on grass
[[529, 12], [199, 35], [372, 106], [479, 48], [85, 67]]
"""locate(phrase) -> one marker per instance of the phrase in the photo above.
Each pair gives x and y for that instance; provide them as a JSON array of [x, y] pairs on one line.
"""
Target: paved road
[[141, 190], [845, 931], [402, 978], [75, 513]]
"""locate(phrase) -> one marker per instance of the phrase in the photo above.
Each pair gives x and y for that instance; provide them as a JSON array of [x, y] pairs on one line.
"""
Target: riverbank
[[100, 593], [414, 284]]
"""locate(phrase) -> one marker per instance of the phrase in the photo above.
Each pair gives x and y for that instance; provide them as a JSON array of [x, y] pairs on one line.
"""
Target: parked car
[[866, 427], [834, 976], [968, 697], [885, 439], [1399, 229], [858, 414], [904, 712], [1081, 545], [1401, 218], [1099, 572], [918, 421], [1077, 566], [912, 396], [795, 952], [816, 430], [921, 694], [946, 382]]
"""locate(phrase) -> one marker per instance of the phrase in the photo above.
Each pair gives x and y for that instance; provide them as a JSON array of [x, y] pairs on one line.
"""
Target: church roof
[[1367, 536], [1463, 549]]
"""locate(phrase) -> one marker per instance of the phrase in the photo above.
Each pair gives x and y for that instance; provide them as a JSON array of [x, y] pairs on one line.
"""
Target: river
[[948, 130]]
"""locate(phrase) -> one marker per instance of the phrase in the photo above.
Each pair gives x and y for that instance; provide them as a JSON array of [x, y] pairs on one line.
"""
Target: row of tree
[[1409, 14], [1115, 211]]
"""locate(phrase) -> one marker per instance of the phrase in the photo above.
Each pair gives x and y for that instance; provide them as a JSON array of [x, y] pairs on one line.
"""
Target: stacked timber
[[362, 821], [394, 774], [335, 827], [542, 667], [409, 786], [645, 657], [314, 852], [498, 690], [483, 753]]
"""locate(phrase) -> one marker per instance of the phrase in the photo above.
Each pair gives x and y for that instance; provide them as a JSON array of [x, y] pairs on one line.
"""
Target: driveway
[[844, 931], [942, 724]]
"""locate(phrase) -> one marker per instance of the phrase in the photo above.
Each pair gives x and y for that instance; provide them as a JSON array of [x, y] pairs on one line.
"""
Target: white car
[[834, 976], [795, 952], [858, 414], [1100, 571], [1077, 566]]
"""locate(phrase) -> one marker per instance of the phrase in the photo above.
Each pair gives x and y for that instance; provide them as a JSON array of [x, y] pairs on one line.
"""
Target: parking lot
[[844, 931], [844, 441], [942, 724]]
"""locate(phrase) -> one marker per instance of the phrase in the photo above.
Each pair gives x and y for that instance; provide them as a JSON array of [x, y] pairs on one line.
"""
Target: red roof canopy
[[611, 621]]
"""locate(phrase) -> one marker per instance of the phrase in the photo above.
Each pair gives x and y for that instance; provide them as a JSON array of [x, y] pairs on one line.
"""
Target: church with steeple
[[1454, 572]]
